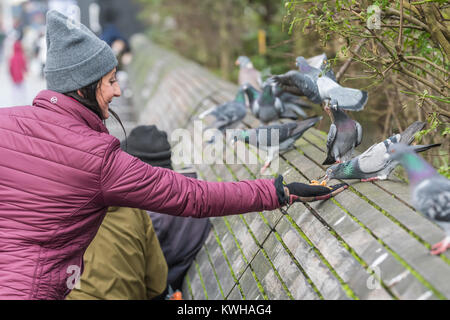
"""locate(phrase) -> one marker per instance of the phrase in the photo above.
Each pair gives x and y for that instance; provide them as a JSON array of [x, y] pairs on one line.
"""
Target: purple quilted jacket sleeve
[[127, 181]]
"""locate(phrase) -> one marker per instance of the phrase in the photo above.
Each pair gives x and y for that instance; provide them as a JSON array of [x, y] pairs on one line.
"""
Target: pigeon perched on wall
[[267, 107], [248, 73], [430, 190], [319, 88], [287, 134], [372, 164], [344, 136], [227, 114]]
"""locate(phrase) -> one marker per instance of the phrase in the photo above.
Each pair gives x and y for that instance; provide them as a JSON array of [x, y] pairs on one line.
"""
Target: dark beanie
[[149, 145]]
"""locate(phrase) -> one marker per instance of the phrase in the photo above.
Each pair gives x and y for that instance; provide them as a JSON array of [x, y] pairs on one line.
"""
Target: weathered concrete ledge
[[366, 243]]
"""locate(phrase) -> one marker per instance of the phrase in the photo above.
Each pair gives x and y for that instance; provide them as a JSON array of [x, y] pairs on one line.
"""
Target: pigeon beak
[[237, 62]]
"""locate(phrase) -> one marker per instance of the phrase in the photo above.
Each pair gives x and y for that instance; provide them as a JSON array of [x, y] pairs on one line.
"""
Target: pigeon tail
[[346, 98], [289, 114], [422, 148], [407, 136], [202, 115], [304, 125], [296, 109], [329, 160]]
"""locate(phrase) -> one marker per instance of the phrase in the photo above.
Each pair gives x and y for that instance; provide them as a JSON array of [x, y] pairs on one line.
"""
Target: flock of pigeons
[[280, 97]]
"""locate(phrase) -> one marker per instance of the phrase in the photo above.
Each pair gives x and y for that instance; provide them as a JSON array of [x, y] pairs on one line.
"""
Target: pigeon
[[267, 107], [288, 133], [372, 165], [227, 114], [290, 100], [319, 88], [321, 62], [430, 190], [344, 136], [248, 74]]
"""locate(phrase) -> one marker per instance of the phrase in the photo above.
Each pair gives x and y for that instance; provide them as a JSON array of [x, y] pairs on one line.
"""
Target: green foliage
[[405, 67], [405, 56], [215, 33]]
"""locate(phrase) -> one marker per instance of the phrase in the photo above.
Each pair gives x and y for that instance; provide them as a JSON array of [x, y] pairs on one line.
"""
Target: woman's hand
[[301, 192]]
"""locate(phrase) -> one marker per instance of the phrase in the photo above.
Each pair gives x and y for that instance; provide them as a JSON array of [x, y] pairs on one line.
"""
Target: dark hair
[[88, 98]]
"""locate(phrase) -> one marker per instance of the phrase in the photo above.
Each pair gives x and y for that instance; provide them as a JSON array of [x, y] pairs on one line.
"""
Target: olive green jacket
[[124, 261]]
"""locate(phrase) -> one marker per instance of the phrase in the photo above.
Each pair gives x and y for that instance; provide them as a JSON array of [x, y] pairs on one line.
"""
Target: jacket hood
[[62, 104]]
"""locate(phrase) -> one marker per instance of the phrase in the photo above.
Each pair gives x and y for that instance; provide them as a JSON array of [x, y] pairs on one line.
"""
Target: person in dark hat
[[180, 238], [125, 261]]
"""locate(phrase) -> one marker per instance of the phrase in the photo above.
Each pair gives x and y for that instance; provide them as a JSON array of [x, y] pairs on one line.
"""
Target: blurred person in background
[[2, 41], [17, 71]]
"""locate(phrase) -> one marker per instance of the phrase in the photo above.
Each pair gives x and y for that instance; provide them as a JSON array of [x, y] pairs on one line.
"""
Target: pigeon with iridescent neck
[[344, 136], [430, 190], [372, 164], [248, 73], [275, 138]]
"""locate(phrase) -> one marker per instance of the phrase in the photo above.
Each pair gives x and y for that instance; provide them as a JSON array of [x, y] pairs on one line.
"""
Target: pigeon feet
[[370, 179], [441, 247], [264, 168]]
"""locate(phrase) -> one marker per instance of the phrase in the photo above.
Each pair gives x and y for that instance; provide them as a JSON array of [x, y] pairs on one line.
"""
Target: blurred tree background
[[396, 50]]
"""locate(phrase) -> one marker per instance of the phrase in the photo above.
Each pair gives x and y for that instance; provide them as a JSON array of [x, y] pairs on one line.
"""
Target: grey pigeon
[[287, 134], [321, 62], [248, 73], [344, 136], [227, 114], [319, 88], [267, 107], [291, 101], [372, 164], [430, 190]]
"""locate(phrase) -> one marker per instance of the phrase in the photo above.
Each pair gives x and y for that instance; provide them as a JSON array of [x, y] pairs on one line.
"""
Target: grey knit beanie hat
[[76, 57]]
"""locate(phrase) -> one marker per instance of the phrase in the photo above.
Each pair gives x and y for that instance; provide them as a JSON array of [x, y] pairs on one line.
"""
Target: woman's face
[[107, 90]]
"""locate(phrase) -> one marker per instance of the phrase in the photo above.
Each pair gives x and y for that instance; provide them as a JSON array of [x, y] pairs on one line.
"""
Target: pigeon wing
[[299, 84], [330, 142], [373, 160], [359, 133], [346, 98], [317, 61]]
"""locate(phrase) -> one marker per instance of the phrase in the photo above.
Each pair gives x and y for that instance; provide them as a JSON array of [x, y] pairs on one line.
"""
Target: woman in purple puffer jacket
[[60, 170]]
